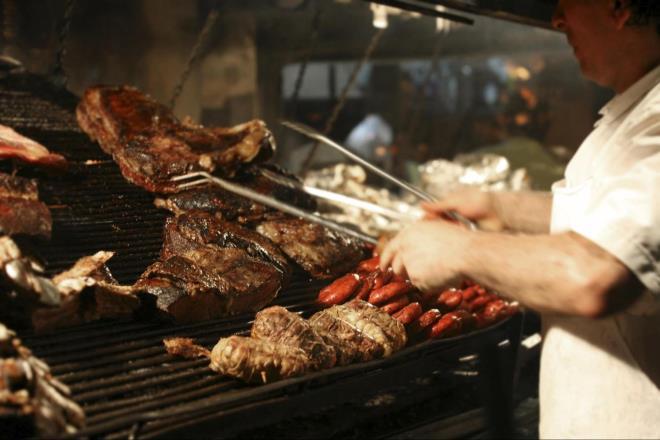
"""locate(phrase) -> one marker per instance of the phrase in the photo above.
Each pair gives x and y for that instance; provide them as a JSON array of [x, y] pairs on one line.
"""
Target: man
[[587, 256]]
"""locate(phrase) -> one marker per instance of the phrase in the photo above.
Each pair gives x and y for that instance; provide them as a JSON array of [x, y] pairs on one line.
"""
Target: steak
[[151, 145], [210, 283], [21, 212], [323, 253], [279, 326], [359, 332], [187, 232], [18, 147]]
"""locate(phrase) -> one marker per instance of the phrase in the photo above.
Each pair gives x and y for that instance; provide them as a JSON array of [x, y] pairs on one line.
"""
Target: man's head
[[615, 41]]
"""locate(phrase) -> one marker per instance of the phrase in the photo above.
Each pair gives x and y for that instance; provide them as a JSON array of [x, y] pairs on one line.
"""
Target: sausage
[[339, 290], [395, 305], [449, 300], [447, 325], [492, 312], [424, 321], [409, 313], [452, 324], [366, 287], [388, 292], [382, 278], [480, 301], [370, 265], [469, 293]]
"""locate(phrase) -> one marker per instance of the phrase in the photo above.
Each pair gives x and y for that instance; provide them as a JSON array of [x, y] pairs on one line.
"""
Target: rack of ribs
[[21, 212], [151, 145]]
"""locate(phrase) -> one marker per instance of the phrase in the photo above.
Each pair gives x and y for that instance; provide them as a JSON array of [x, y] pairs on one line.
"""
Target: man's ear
[[620, 12]]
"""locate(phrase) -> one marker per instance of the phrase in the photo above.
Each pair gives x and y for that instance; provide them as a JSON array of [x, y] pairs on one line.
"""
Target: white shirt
[[600, 378], [369, 134]]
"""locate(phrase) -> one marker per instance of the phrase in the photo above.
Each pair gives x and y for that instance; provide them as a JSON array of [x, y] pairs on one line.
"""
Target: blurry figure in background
[[521, 126], [371, 138]]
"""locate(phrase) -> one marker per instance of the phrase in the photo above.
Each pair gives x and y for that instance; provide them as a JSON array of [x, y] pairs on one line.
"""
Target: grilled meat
[[151, 145], [263, 178], [89, 292], [21, 212], [187, 232], [359, 331], [255, 360], [279, 326], [210, 283], [248, 359], [16, 146], [323, 253]]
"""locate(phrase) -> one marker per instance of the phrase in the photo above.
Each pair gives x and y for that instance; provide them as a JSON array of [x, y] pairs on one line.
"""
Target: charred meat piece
[[151, 145], [378, 325], [89, 292], [263, 178], [248, 359], [187, 232], [254, 360], [16, 146], [279, 326], [323, 253], [210, 283], [21, 212], [350, 344], [359, 331]]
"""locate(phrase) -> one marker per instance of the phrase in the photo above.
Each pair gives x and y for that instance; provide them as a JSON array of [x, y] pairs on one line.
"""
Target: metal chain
[[343, 97], [414, 119], [316, 25], [194, 54], [58, 74]]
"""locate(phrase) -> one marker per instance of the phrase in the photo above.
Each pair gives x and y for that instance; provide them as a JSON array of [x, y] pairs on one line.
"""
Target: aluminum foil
[[485, 171], [350, 180]]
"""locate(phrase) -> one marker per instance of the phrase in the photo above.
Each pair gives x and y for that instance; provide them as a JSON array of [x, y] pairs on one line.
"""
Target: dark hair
[[645, 12]]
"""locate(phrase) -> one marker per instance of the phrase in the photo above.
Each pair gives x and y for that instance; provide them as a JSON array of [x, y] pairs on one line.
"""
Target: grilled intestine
[[283, 345]]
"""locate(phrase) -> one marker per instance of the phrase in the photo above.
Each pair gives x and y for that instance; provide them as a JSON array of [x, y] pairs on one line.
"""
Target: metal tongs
[[202, 177], [314, 134]]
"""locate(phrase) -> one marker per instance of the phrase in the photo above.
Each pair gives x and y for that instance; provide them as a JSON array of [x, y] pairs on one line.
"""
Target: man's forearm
[[562, 273], [524, 211]]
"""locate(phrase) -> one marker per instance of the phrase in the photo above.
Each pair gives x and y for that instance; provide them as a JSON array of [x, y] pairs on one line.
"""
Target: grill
[[128, 386]]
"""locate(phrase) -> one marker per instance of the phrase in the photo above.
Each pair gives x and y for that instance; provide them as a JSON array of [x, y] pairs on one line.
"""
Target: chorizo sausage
[[425, 320], [395, 305], [409, 313], [449, 300], [339, 290], [388, 292], [369, 265]]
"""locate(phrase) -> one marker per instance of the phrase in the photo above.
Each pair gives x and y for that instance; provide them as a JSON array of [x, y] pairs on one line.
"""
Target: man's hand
[[479, 206], [428, 253]]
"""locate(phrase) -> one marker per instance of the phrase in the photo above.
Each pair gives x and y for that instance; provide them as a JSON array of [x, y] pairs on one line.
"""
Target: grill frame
[[93, 209]]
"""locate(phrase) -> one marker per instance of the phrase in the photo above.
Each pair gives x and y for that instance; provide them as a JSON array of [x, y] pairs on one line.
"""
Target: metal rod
[[312, 133], [409, 6], [273, 203], [341, 199]]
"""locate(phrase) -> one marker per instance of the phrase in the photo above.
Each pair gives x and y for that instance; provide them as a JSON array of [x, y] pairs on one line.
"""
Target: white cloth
[[600, 378]]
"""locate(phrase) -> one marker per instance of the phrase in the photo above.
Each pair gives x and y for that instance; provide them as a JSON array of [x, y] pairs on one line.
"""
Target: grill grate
[[118, 371]]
